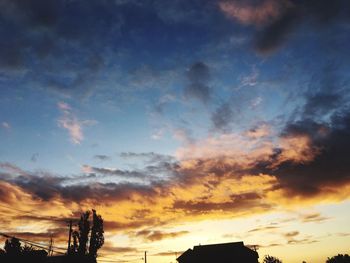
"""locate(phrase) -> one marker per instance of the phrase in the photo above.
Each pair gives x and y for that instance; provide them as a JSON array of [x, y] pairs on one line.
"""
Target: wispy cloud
[[313, 217], [71, 123], [5, 125], [156, 235]]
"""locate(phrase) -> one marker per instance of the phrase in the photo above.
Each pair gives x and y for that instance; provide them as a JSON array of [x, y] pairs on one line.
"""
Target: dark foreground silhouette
[[223, 253], [236, 253], [41, 257], [87, 239]]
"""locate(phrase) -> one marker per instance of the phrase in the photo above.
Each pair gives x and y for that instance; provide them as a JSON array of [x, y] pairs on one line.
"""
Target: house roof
[[236, 248]]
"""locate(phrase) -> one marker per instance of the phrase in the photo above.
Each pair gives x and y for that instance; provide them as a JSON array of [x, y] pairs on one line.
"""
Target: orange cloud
[[249, 13]]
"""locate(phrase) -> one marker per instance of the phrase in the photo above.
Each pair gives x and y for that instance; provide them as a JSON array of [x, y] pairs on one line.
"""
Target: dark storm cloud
[[296, 12], [198, 76]]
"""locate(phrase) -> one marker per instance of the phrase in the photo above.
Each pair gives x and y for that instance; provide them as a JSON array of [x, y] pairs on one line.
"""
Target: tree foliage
[[88, 233], [84, 230], [12, 246], [271, 259], [340, 258], [97, 238]]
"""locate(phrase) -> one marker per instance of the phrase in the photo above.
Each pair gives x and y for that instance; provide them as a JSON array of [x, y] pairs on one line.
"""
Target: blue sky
[[152, 93]]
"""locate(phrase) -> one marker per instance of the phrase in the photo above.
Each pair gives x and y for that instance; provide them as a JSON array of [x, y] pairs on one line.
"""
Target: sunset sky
[[182, 122]]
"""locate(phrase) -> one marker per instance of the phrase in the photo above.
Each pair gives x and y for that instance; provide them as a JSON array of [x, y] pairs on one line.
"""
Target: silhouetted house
[[70, 259], [224, 253]]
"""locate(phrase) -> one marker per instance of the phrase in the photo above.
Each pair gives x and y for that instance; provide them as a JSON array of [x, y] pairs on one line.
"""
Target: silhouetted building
[[224, 253], [70, 259]]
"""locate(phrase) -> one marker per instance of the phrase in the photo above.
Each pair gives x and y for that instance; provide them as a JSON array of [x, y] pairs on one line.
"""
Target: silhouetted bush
[[271, 259], [340, 258]]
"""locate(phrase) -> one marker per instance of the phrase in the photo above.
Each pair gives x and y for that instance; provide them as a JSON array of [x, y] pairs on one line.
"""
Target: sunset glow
[[182, 122]]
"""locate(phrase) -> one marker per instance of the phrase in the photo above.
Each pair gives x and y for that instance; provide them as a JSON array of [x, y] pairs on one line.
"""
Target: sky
[[182, 122]]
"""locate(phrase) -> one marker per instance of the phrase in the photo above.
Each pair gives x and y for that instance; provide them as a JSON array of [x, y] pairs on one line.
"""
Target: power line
[[34, 244]]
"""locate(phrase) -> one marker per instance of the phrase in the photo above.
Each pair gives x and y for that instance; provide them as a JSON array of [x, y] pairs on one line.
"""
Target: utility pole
[[145, 256], [50, 250], [69, 237]]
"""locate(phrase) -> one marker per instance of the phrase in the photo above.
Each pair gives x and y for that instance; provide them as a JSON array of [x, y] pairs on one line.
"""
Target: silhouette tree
[[13, 247], [97, 238], [340, 258], [27, 249], [81, 237], [84, 229], [271, 259], [75, 245]]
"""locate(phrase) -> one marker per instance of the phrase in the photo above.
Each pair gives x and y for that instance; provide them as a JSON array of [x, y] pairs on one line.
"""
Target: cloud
[[275, 20], [113, 172], [156, 235], [5, 125], [34, 157], [310, 158], [149, 157], [157, 168], [317, 159], [263, 229], [295, 13], [198, 76], [102, 157], [222, 117], [258, 13], [56, 233], [131, 224], [306, 240], [314, 217], [113, 249], [11, 168], [72, 124], [240, 201], [169, 253], [291, 234]]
